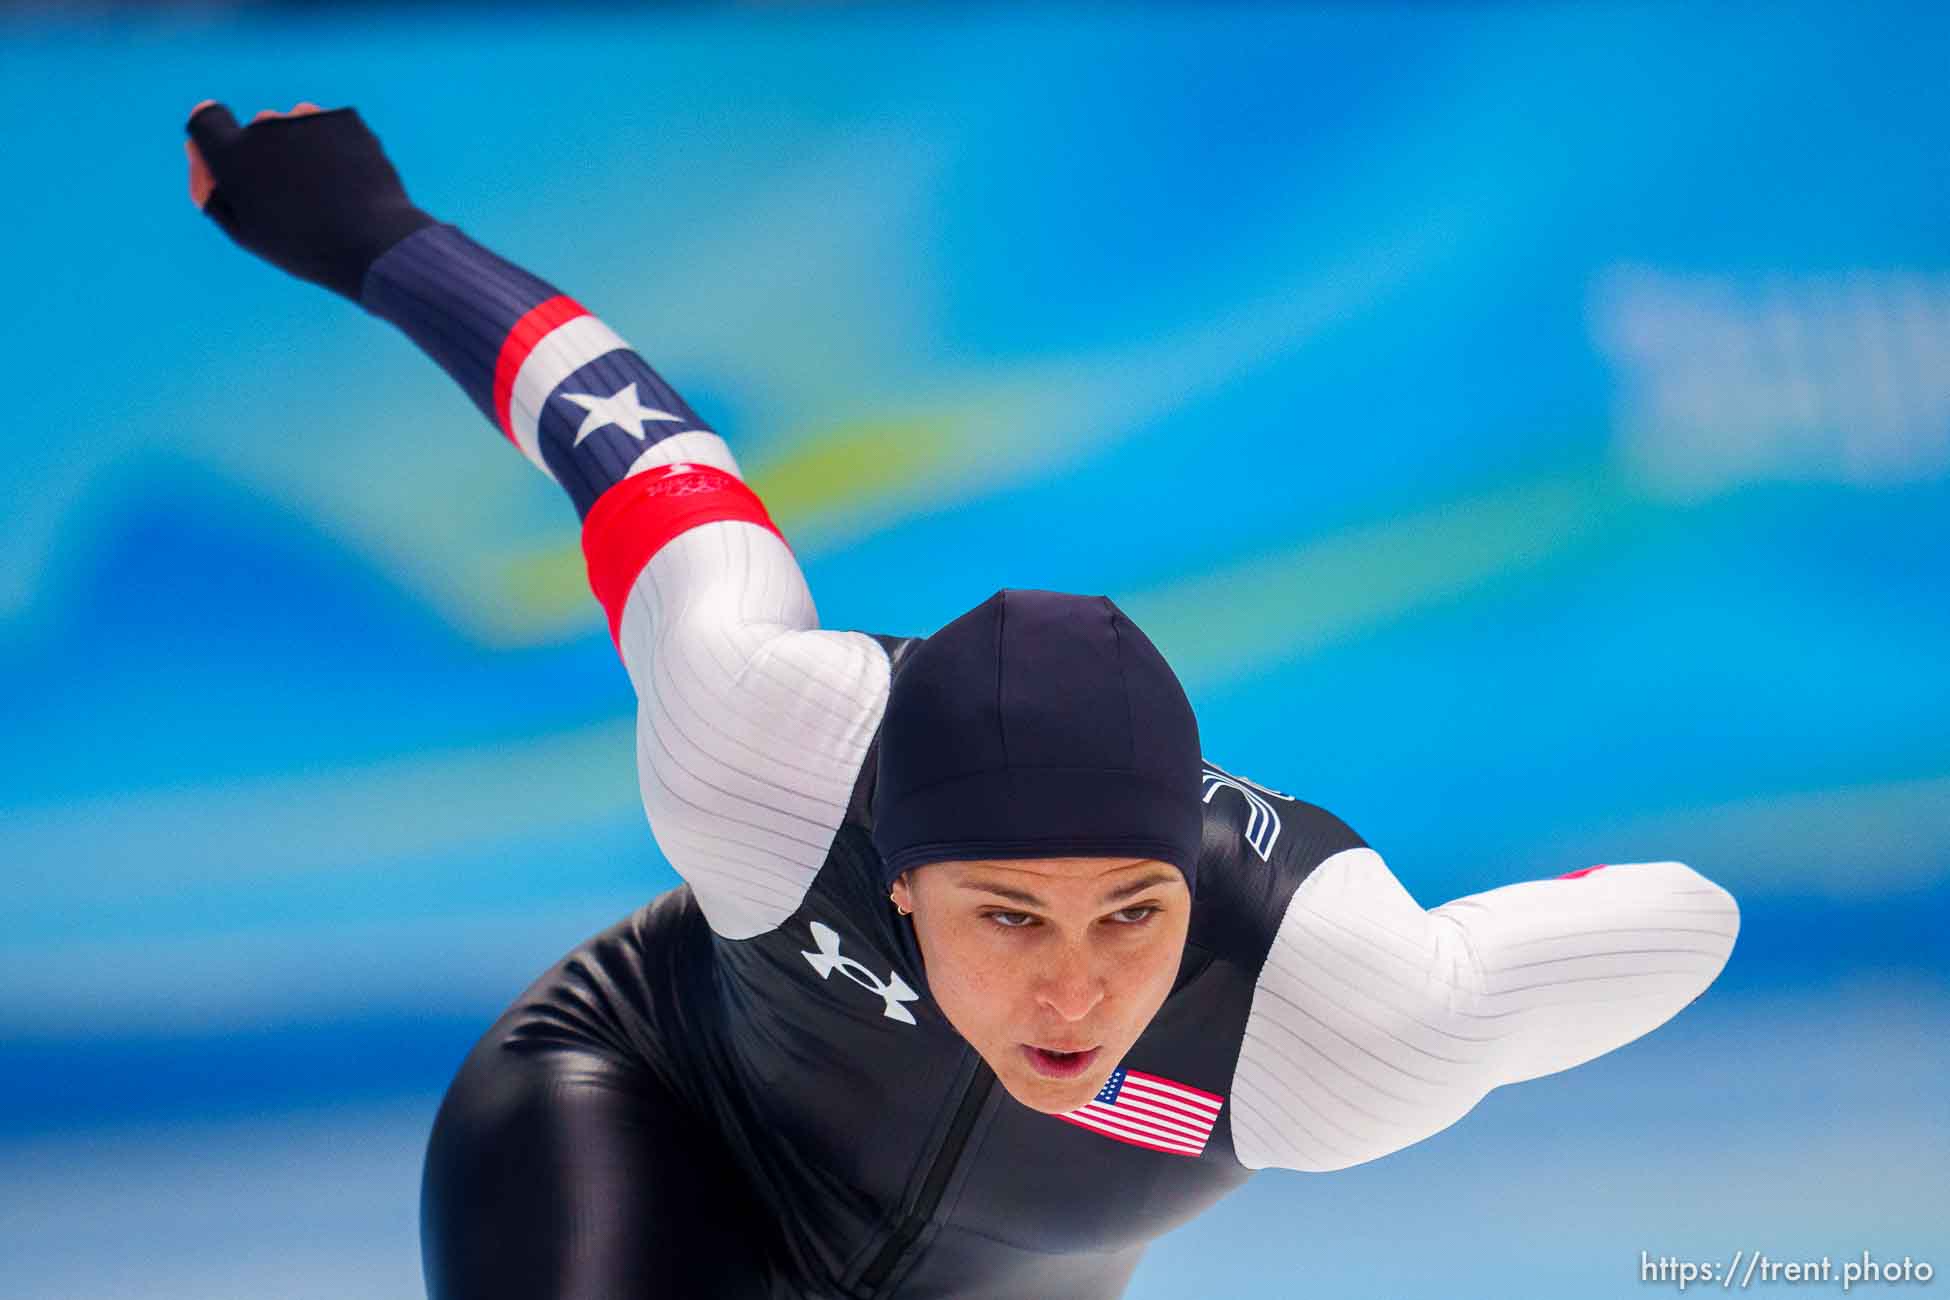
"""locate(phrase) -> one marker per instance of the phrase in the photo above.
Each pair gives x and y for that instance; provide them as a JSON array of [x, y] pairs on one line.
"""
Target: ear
[[902, 895]]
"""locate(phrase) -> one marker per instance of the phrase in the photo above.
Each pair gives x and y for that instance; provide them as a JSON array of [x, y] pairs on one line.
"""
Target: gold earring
[[897, 904]]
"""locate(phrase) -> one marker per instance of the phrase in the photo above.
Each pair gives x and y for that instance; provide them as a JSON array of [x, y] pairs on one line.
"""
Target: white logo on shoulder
[[1262, 820], [893, 990]]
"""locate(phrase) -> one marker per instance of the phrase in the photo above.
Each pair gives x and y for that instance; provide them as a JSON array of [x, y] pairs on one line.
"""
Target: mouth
[[1060, 1065]]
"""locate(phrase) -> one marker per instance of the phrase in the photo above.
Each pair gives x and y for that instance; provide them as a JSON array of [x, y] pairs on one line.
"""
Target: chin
[[1052, 1098]]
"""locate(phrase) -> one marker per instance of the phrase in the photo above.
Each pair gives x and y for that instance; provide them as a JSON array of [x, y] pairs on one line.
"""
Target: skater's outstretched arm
[[752, 722], [1376, 1024]]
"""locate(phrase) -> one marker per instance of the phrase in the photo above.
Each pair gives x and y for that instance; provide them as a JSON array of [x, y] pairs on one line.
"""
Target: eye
[[1011, 920], [1135, 915]]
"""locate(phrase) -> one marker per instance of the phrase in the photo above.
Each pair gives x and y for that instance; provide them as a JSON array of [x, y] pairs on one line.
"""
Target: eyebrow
[[1028, 899]]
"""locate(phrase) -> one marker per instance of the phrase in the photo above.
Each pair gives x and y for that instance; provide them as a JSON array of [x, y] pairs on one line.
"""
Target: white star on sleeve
[[620, 409]]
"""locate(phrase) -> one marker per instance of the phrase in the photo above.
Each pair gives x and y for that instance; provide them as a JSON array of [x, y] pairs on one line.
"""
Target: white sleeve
[[1376, 1024], [752, 724]]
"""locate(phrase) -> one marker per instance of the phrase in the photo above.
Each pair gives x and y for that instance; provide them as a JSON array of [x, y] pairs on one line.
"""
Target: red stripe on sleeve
[[531, 329], [633, 520], [1582, 871]]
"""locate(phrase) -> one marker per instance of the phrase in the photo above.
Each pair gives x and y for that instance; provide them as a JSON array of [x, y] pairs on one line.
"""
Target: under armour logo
[[1263, 820], [893, 990]]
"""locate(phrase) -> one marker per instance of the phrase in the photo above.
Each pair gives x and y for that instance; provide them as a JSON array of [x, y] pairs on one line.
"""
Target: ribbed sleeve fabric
[[1376, 1024], [752, 725], [534, 361], [456, 300]]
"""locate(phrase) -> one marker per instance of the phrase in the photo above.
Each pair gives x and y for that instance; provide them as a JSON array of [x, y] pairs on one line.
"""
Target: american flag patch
[[1147, 1111]]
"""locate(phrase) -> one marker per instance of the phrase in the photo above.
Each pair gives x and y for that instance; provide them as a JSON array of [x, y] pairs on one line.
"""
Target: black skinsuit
[[671, 1113], [674, 1112]]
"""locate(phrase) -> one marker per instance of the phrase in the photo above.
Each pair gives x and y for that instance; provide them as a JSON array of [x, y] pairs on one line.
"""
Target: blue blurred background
[[1526, 429]]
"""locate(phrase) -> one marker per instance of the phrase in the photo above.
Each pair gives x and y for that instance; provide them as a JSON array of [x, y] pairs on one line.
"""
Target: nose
[[1071, 985]]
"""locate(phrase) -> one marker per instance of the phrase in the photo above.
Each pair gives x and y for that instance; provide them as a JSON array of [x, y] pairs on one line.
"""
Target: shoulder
[[752, 759], [859, 808], [1260, 844], [897, 648]]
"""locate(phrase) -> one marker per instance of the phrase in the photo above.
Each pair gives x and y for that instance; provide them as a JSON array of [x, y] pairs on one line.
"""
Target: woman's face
[[1049, 967]]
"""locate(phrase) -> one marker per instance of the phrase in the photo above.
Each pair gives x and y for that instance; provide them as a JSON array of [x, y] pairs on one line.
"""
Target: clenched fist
[[309, 191]]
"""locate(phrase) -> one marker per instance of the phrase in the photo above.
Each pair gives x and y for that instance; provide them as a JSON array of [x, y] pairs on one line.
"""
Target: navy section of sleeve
[[602, 417], [457, 300], [485, 321]]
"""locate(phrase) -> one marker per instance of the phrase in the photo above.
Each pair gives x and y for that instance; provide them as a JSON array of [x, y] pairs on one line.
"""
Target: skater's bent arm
[[753, 723], [1377, 1024]]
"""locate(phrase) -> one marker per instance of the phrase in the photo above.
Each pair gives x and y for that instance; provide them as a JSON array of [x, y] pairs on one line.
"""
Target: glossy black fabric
[[567, 1162], [672, 1113]]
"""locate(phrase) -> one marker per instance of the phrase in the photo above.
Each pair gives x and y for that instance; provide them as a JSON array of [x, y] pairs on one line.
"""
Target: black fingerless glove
[[314, 195]]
